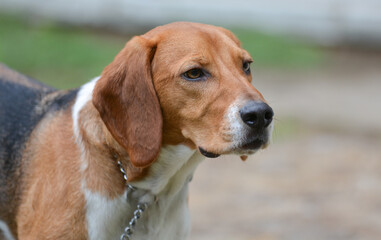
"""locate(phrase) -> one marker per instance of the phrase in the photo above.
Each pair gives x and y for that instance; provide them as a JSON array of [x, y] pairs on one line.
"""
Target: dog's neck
[[98, 147], [104, 187], [174, 162]]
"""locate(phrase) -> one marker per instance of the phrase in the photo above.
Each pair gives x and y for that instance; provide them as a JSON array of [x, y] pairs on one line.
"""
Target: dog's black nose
[[257, 114]]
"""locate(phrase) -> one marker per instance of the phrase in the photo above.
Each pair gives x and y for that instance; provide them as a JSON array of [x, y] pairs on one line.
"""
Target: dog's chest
[[167, 218]]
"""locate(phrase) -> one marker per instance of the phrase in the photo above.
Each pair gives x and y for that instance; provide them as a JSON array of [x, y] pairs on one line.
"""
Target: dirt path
[[320, 181]]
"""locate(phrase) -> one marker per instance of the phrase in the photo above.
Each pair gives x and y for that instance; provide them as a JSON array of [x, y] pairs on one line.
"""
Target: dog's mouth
[[247, 148], [208, 154]]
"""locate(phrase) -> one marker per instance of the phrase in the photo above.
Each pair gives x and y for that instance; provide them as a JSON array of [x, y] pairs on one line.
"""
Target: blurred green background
[[66, 57]]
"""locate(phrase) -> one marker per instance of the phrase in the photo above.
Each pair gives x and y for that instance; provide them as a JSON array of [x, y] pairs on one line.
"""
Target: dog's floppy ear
[[126, 100]]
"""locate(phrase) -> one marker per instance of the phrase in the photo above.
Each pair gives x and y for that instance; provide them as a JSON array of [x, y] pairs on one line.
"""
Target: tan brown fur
[[127, 103], [102, 152], [53, 205]]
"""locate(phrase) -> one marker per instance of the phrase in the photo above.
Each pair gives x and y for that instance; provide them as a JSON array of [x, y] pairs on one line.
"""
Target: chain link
[[122, 170], [141, 207], [129, 230]]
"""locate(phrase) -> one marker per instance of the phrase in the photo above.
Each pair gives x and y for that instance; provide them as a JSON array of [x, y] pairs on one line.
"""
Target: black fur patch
[[23, 103]]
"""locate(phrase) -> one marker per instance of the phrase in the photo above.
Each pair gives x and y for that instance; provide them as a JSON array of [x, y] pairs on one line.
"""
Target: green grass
[[278, 51], [65, 57], [58, 56]]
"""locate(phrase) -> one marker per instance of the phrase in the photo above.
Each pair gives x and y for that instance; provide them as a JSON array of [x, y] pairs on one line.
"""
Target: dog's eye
[[194, 74], [246, 67]]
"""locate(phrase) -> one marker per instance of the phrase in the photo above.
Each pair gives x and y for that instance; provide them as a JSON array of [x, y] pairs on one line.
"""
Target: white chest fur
[[167, 218], [168, 177]]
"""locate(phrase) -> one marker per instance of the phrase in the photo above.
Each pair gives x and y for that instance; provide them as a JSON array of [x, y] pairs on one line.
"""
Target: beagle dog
[[171, 97]]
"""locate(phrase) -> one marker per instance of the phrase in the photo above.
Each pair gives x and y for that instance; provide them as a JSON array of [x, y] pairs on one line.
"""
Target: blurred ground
[[320, 179]]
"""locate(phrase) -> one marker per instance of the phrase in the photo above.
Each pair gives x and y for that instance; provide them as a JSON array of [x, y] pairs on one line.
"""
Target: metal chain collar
[[141, 207]]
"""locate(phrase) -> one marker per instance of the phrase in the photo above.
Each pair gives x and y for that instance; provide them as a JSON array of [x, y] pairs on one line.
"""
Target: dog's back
[[19, 96], [23, 103]]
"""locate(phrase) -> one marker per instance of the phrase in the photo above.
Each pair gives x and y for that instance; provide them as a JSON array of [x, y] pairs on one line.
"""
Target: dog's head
[[183, 83]]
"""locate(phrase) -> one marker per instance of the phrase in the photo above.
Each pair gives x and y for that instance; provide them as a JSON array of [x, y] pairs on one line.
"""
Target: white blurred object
[[327, 22]]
